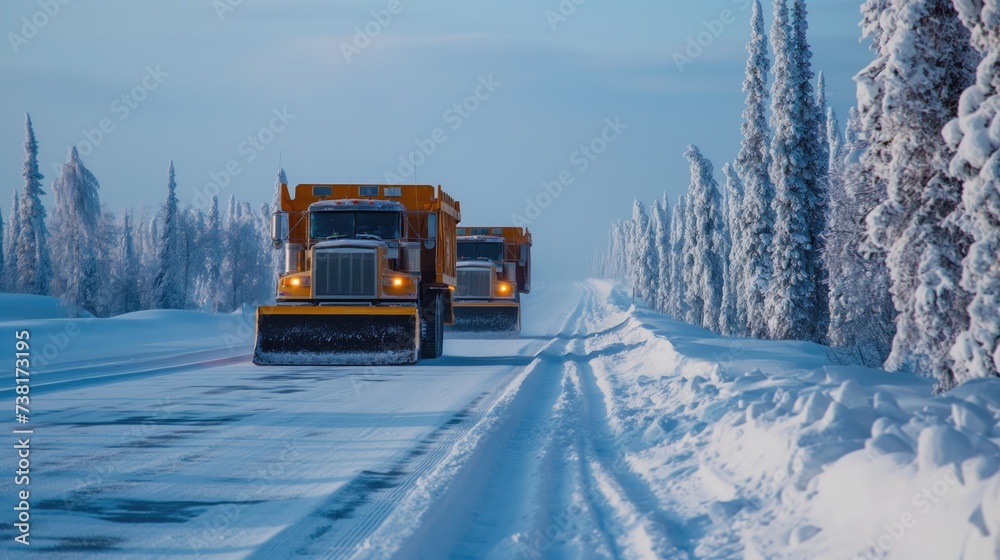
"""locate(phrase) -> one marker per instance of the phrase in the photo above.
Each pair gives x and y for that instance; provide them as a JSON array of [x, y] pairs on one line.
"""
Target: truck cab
[[494, 269]]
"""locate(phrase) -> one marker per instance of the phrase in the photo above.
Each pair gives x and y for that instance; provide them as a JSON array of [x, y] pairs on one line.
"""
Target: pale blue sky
[[225, 78]]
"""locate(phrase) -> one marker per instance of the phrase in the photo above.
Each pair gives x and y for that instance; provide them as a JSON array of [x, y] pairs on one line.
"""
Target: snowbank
[[16, 307], [64, 348], [769, 450]]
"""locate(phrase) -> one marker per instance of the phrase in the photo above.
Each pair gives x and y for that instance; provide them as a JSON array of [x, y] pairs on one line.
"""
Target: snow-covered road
[[604, 431], [203, 453]]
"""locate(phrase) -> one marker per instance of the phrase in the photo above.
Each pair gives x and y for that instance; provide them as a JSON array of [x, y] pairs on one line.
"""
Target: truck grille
[[344, 273], [474, 283]]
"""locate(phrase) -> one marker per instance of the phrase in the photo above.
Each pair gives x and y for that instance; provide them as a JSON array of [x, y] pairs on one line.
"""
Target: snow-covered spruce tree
[[230, 286], [631, 240], [619, 251], [9, 271], [822, 121], [704, 278], [693, 304], [622, 238], [125, 272], [821, 213], [639, 251], [733, 318], [796, 300], [878, 20], [167, 282], [975, 135], [266, 281], [211, 293], [664, 252], [191, 243], [145, 236], [866, 316], [839, 233], [753, 253], [676, 301], [34, 263], [616, 251], [723, 244], [821, 103], [649, 275], [108, 237], [653, 255], [628, 240], [817, 163], [278, 253], [928, 64], [76, 237]]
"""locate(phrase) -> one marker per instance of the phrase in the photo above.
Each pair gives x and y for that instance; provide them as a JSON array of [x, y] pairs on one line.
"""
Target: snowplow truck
[[494, 269], [368, 276]]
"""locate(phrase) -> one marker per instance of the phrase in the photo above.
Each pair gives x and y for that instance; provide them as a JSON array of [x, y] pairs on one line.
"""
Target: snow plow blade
[[503, 319], [336, 335]]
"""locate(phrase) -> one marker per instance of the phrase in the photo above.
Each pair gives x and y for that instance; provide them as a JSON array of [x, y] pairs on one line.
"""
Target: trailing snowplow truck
[[368, 278], [494, 269]]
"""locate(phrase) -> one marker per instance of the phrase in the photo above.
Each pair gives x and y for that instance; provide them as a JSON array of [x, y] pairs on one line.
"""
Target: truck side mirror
[[279, 228], [432, 231], [432, 226]]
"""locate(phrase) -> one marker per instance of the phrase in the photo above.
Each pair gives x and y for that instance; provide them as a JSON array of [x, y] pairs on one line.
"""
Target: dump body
[[494, 269], [368, 276]]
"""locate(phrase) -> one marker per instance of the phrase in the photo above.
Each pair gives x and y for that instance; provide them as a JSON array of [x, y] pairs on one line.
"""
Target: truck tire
[[432, 327]]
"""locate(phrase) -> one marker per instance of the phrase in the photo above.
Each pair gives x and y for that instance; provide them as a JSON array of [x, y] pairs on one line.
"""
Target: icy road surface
[[604, 431], [202, 453]]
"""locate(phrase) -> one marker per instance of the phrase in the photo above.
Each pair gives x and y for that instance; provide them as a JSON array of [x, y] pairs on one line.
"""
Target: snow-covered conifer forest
[[102, 264], [878, 236]]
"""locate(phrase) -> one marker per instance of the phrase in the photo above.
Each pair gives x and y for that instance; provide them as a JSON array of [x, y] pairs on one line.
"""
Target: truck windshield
[[476, 250], [349, 225]]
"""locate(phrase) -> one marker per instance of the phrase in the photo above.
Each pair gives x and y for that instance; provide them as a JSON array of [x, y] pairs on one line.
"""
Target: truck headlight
[[296, 281], [504, 289], [396, 281]]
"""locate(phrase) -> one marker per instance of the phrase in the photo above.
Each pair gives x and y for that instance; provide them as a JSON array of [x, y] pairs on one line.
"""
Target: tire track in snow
[[619, 504], [424, 526], [550, 482]]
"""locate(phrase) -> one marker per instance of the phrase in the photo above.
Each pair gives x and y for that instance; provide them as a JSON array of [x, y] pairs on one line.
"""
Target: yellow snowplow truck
[[494, 269], [368, 278]]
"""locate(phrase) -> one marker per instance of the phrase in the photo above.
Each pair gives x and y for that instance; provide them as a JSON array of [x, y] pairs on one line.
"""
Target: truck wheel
[[432, 328]]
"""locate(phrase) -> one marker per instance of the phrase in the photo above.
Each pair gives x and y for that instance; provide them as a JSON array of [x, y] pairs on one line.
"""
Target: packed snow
[[606, 431]]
